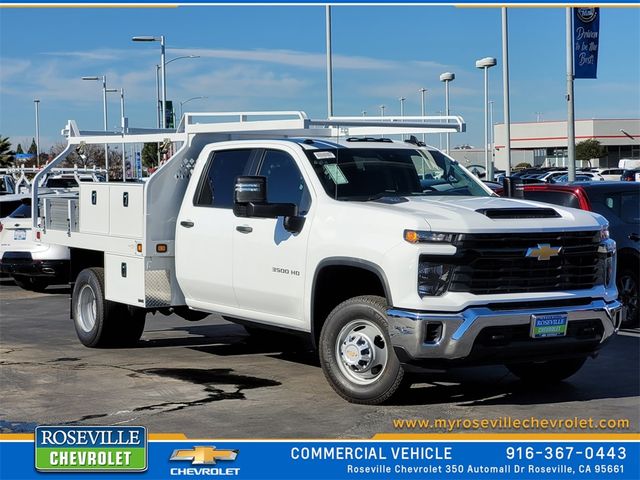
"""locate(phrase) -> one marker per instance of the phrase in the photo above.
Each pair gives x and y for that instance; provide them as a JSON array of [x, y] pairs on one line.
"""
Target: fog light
[[433, 278]]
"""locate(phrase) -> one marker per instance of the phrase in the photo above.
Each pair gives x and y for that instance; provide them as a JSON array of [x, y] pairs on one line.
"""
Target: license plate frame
[[550, 325], [20, 234]]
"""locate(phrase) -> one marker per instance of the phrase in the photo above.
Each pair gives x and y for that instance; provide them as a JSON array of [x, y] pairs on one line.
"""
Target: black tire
[[99, 322], [629, 295], [356, 354], [551, 371], [31, 283]]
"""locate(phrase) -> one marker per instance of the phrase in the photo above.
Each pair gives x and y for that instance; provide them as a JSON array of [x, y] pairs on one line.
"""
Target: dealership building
[[545, 143]]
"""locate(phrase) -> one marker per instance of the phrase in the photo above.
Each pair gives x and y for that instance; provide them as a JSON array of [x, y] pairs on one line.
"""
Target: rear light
[[1, 227], [38, 236]]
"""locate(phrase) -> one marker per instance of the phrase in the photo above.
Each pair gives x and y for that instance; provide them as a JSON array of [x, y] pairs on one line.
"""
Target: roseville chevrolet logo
[[544, 251], [204, 455]]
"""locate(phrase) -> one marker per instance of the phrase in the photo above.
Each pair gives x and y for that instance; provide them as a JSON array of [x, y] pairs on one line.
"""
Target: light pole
[[105, 118], [122, 127], [491, 132], [422, 108], [364, 113], [485, 64], [37, 105], [382, 107], [163, 82], [158, 105], [187, 101], [447, 77]]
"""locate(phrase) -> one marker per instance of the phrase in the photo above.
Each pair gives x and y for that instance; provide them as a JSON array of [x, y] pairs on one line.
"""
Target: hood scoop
[[513, 213]]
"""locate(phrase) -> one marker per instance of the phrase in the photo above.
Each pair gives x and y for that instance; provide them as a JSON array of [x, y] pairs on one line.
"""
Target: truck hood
[[457, 214]]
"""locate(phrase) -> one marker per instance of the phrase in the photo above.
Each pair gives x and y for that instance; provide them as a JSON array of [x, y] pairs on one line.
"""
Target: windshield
[[371, 173]]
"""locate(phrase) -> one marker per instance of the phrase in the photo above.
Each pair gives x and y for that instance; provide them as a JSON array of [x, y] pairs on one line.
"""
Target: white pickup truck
[[389, 254]]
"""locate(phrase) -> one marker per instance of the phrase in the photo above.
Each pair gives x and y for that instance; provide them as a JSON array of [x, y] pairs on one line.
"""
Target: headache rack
[[133, 220]]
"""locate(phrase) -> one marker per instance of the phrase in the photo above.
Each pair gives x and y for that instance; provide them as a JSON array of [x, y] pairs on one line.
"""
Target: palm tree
[[6, 155]]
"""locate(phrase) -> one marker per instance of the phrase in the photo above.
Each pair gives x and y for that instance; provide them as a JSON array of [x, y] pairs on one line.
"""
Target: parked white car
[[609, 173], [34, 265]]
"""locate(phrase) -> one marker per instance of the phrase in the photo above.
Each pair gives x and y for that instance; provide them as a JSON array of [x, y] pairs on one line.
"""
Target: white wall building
[[545, 143]]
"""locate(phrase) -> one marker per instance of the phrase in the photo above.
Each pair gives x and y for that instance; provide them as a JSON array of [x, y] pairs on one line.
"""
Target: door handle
[[244, 229], [187, 223], [634, 236]]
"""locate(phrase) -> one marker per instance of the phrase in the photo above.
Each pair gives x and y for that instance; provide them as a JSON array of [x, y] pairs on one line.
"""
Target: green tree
[[150, 155], [33, 148], [19, 149], [6, 155], [588, 149]]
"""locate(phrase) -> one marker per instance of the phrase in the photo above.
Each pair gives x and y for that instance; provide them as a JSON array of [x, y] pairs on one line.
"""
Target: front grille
[[496, 263]]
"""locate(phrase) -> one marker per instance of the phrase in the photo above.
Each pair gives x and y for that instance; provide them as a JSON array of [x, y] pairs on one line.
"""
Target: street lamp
[[187, 101], [422, 108], [123, 128], [364, 113], [104, 111], [402, 99], [160, 39], [158, 106], [382, 107], [447, 77], [485, 64], [37, 105]]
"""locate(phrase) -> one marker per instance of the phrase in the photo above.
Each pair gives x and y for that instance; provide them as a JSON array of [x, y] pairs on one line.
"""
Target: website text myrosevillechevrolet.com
[[510, 423]]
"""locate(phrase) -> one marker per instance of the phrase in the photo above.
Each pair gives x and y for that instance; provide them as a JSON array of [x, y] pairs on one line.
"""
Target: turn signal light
[[161, 248]]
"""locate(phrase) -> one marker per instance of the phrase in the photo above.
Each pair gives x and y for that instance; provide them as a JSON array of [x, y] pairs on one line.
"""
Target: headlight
[[604, 233], [433, 278], [420, 236]]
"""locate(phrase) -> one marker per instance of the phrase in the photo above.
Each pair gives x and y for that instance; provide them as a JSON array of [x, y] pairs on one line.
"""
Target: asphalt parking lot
[[210, 379]]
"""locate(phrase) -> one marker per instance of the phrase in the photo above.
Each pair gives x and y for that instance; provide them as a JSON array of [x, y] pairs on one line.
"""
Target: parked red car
[[619, 203]]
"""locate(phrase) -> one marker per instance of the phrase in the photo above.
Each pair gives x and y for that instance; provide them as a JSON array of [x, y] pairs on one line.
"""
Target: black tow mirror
[[250, 200], [250, 189], [513, 187]]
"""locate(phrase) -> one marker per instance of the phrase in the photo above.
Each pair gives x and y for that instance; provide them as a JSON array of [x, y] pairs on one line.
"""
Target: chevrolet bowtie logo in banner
[[203, 455], [91, 449]]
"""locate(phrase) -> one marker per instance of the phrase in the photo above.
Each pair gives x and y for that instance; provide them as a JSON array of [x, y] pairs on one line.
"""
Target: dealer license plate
[[19, 234], [545, 326]]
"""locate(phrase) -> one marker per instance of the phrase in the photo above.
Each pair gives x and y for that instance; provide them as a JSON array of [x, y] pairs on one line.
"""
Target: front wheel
[[629, 295], [546, 372], [100, 322], [356, 353]]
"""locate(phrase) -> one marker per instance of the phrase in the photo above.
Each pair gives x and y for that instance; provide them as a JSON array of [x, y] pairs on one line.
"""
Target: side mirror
[[250, 200], [513, 187]]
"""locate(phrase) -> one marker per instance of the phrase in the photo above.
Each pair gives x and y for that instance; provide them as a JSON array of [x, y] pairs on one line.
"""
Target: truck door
[[204, 231], [268, 261]]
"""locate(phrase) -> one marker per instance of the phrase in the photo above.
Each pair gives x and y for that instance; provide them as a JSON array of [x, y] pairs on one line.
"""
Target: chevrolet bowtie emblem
[[204, 455], [543, 251]]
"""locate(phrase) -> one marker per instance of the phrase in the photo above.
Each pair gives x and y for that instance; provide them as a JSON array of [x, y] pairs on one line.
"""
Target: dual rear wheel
[[100, 322]]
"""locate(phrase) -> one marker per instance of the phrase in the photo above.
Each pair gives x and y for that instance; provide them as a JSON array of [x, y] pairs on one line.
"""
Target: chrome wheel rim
[[87, 308], [362, 352], [628, 293]]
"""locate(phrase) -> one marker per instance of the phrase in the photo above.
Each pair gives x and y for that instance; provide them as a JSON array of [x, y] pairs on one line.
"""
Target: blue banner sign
[[541, 459], [586, 36]]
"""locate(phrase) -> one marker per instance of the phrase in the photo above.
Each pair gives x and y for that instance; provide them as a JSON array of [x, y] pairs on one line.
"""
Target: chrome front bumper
[[408, 329]]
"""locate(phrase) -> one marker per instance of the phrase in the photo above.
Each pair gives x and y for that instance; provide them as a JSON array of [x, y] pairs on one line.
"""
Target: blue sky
[[273, 58]]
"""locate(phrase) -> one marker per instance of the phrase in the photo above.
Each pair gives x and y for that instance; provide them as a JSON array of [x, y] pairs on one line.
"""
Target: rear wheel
[[546, 372], [356, 353], [100, 322]]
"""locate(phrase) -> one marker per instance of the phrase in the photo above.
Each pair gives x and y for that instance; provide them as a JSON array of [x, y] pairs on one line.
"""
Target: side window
[[284, 180], [630, 207], [218, 180]]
